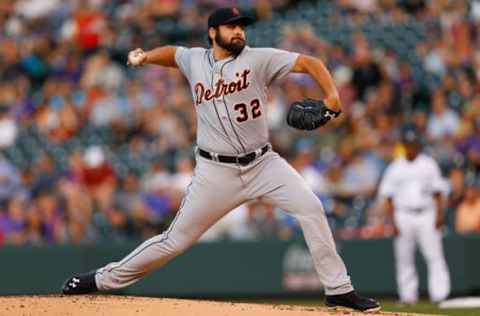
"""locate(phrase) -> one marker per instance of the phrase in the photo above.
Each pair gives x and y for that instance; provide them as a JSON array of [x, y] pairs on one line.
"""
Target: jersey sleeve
[[274, 64], [437, 183], [183, 58], [387, 185]]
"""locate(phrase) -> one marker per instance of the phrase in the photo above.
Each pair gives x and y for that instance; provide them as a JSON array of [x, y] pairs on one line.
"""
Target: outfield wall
[[230, 269]]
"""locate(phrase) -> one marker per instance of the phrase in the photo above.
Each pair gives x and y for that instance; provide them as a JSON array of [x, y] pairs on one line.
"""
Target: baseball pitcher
[[234, 160]]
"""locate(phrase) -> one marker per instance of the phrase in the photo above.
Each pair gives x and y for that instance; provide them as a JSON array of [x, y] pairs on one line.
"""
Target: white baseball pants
[[419, 228]]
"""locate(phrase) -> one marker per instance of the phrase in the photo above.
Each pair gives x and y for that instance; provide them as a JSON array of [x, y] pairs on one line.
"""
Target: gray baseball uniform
[[229, 97]]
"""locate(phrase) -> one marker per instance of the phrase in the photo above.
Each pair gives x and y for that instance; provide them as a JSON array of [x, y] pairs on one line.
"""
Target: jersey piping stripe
[[133, 255], [216, 110], [226, 109], [207, 52], [220, 120]]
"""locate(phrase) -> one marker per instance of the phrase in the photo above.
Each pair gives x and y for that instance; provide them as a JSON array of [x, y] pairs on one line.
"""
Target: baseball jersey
[[412, 184], [230, 95]]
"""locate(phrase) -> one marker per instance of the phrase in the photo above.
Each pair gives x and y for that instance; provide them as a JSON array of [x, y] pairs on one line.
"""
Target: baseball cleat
[[351, 300], [80, 284]]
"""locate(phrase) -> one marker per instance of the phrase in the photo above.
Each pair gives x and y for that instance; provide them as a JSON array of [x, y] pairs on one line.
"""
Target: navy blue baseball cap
[[227, 16], [410, 135]]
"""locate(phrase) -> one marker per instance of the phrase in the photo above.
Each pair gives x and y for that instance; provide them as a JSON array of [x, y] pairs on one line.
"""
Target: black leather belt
[[242, 160], [416, 210]]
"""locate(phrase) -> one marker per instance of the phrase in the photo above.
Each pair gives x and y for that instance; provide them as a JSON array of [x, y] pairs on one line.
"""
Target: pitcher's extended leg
[[214, 191], [287, 190]]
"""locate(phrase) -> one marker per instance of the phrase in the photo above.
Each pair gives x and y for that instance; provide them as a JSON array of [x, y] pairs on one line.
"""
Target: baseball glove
[[309, 114]]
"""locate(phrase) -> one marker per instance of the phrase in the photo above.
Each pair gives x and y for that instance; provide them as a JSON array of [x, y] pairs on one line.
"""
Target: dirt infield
[[103, 305]]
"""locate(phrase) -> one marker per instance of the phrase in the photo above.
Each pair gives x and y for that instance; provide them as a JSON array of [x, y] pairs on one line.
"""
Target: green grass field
[[388, 305], [425, 307]]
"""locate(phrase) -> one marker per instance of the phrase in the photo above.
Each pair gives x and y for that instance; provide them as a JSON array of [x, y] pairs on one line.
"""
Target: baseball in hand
[[136, 57]]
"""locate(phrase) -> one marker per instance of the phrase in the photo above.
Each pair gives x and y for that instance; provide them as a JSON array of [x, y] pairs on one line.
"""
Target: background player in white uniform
[[235, 162], [412, 188]]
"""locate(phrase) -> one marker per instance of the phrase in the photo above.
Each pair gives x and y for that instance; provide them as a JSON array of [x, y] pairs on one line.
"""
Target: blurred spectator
[[358, 175], [107, 143], [180, 180], [234, 225], [13, 221], [88, 26], [34, 9], [45, 175], [160, 199], [158, 178], [128, 198], [262, 221], [77, 202], [8, 127], [10, 182], [457, 189], [366, 72], [304, 164], [468, 213], [469, 146], [98, 177], [113, 225], [443, 122], [101, 71], [183, 174], [52, 227]]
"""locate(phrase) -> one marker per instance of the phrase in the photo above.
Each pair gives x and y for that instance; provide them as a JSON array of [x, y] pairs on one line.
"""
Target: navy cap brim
[[243, 20]]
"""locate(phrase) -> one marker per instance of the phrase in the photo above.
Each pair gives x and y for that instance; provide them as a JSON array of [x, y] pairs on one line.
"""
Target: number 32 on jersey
[[244, 110]]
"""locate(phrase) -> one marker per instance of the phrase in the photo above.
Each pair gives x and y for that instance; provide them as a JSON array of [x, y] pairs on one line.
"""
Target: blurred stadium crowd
[[93, 151]]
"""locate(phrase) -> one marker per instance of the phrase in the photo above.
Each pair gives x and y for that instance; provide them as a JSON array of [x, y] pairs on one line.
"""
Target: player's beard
[[235, 46]]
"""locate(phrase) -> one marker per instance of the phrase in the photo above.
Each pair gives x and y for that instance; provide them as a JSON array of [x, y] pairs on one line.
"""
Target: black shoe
[[80, 284], [352, 300]]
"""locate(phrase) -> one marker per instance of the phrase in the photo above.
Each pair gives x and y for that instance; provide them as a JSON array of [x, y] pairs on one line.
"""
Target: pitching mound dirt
[[97, 305]]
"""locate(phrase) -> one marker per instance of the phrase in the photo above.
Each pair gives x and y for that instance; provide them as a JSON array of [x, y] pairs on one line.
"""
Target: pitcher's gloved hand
[[309, 114]]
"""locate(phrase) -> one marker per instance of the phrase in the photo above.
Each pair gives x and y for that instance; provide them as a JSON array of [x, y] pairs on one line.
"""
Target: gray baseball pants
[[217, 188]]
